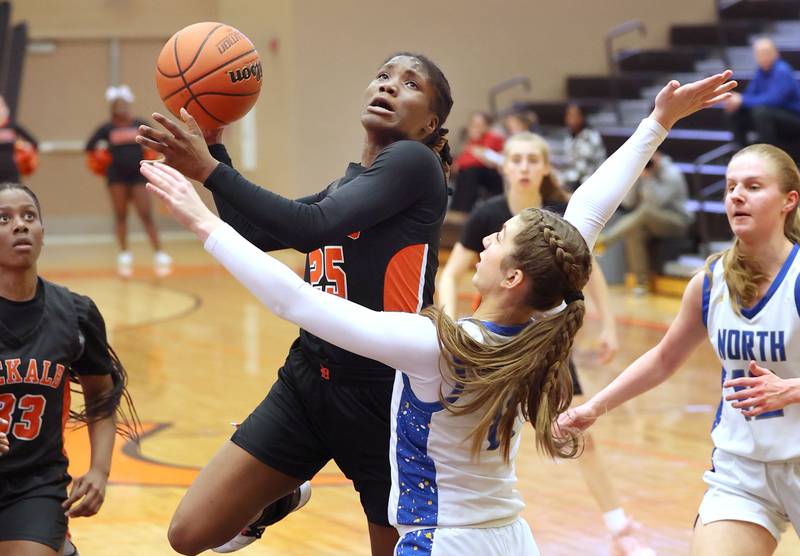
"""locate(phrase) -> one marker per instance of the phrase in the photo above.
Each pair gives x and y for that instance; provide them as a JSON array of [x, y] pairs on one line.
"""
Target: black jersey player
[[372, 237], [125, 184], [49, 337]]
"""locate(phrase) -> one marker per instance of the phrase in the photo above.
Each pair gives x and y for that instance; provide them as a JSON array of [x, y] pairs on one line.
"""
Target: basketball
[[212, 70]]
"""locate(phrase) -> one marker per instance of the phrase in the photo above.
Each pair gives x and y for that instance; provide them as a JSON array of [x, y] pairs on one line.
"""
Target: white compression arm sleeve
[[404, 341], [595, 201]]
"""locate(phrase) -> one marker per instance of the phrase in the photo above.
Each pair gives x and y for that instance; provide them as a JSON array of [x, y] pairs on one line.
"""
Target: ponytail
[[438, 142]]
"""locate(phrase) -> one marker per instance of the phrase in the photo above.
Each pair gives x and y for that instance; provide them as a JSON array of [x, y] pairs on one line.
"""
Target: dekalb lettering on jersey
[[759, 345], [33, 371]]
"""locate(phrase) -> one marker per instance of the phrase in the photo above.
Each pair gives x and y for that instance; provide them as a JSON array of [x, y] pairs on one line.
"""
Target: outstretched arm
[[405, 341], [685, 333], [402, 173], [596, 200]]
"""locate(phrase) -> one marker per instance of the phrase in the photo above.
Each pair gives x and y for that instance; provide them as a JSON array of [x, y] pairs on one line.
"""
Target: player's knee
[[183, 538]]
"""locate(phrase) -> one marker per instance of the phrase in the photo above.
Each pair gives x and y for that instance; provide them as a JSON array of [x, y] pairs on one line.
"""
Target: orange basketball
[[212, 70]]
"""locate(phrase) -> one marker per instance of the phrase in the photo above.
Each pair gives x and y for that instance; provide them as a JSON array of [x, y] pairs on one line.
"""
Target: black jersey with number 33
[[371, 236], [35, 372]]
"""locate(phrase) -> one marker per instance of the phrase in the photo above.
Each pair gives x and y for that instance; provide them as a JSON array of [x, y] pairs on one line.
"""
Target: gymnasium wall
[[318, 56]]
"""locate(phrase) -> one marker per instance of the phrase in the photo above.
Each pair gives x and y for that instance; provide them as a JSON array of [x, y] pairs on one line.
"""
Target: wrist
[[663, 119], [205, 227], [596, 408], [207, 169], [103, 470]]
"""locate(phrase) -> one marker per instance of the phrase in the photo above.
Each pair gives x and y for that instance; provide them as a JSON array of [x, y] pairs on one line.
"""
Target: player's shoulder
[[81, 303], [408, 151]]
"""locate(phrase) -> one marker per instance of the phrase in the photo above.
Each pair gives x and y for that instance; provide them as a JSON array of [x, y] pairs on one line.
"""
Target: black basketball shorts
[[30, 507], [314, 413]]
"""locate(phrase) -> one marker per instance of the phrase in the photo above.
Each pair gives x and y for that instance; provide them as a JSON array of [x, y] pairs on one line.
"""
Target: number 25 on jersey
[[325, 270]]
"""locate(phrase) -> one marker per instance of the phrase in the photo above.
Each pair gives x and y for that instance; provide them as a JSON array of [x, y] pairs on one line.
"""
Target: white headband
[[123, 92]]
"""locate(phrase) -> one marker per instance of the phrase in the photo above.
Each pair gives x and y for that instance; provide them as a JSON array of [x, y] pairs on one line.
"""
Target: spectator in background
[[583, 148], [770, 105], [16, 145], [657, 205], [520, 121], [475, 168]]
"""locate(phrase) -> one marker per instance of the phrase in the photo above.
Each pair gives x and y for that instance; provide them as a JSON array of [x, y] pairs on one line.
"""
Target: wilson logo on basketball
[[245, 73], [228, 41]]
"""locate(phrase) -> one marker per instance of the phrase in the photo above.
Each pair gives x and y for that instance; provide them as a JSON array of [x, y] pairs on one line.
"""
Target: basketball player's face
[[397, 103], [525, 166], [21, 230], [754, 202], [493, 273]]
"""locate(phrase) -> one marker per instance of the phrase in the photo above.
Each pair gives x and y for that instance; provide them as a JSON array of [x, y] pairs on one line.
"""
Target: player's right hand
[[4, 444]]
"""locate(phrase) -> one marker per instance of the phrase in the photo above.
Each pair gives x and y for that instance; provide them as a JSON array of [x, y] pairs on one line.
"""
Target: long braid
[[557, 355], [527, 375]]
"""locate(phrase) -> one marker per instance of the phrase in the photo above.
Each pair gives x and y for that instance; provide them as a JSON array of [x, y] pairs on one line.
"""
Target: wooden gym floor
[[201, 352]]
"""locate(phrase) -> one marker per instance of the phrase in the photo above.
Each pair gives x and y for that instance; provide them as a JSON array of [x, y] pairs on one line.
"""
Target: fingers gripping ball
[[212, 70]]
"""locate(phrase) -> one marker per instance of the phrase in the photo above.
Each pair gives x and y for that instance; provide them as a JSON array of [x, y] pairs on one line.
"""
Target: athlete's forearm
[[594, 202], [647, 372], [401, 340], [102, 434]]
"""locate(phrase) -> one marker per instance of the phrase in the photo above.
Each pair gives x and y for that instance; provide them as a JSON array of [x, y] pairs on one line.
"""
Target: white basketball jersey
[[769, 334], [435, 480]]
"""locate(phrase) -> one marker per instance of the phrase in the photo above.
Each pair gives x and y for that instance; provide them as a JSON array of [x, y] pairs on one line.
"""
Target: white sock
[[615, 520]]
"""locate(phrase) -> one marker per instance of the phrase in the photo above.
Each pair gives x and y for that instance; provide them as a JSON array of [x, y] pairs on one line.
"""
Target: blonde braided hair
[[528, 375]]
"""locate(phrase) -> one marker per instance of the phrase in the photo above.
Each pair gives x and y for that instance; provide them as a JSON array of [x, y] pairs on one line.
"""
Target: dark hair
[[574, 104], [442, 103], [117, 402], [11, 185]]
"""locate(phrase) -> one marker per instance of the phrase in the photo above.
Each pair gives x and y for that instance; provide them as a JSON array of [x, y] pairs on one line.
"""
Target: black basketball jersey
[[125, 151], [371, 236], [34, 383], [489, 217]]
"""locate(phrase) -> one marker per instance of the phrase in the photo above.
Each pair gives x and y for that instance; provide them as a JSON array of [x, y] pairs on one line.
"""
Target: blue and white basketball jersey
[[435, 480], [769, 334]]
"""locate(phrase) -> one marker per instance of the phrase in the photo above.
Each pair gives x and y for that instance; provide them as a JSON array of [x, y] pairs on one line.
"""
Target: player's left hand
[[608, 345], [183, 146], [762, 391], [183, 202], [578, 418], [676, 101], [92, 488]]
